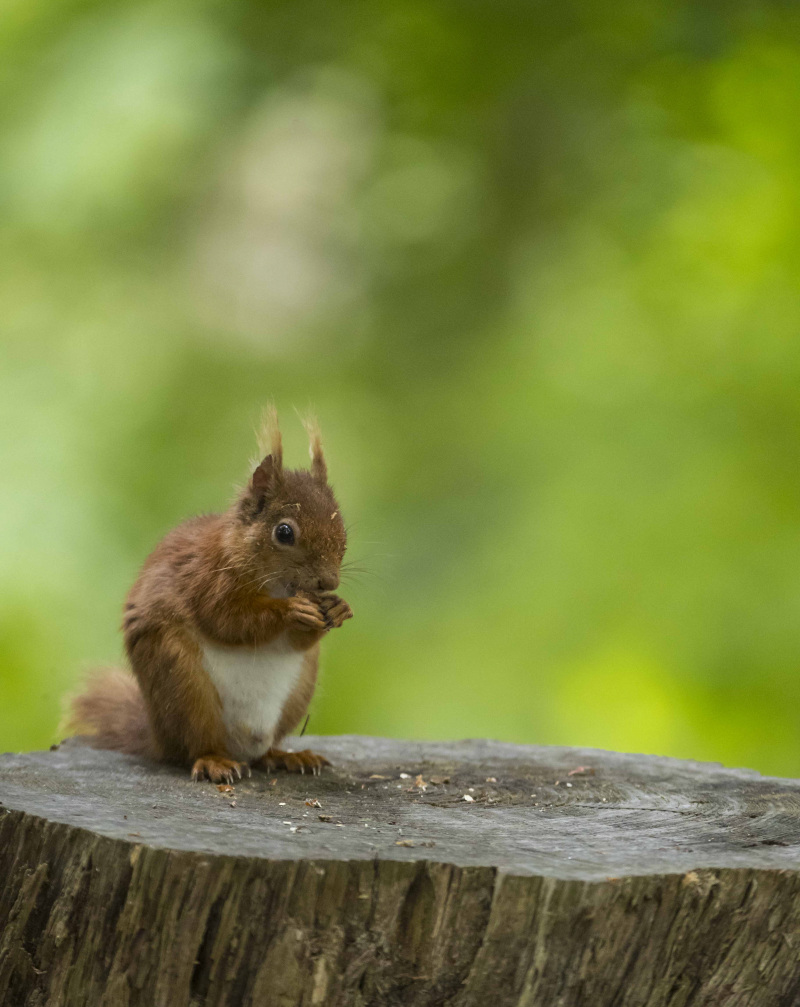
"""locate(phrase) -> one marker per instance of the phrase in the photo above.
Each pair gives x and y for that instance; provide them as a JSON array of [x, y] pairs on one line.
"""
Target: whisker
[[255, 582], [352, 577], [362, 564]]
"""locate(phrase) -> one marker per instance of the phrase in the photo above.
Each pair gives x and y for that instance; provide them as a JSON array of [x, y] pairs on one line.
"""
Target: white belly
[[253, 684]]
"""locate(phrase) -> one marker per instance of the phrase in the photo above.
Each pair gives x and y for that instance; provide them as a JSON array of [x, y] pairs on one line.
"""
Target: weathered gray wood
[[634, 882]]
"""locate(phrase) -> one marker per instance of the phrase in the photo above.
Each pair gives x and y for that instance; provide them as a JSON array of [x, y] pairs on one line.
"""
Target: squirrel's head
[[289, 522]]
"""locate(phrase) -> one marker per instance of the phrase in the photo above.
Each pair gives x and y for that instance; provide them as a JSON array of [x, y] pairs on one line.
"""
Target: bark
[[634, 882]]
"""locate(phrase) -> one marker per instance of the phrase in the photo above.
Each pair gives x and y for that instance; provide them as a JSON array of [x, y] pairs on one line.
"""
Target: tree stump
[[469, 873]]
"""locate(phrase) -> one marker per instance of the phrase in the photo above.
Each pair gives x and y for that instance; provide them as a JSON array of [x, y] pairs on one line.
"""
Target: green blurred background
[[537, 268]]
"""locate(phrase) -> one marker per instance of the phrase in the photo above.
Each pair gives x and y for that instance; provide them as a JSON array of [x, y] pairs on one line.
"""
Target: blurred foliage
[[536, 267]]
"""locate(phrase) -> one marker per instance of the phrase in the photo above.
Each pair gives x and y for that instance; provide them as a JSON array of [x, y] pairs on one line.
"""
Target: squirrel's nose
[[328, 581]]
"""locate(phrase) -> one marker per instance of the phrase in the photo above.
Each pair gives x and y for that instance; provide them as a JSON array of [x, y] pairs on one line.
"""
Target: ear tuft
[[267, 472], [269, 438], [318, 467]]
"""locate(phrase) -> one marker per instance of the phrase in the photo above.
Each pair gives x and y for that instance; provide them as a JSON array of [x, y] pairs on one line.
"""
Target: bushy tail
[[111, 710]]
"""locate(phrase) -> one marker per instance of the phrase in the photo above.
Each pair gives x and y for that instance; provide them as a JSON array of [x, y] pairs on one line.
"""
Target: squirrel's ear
[[262, 485], [265, 475], [268, 472], [318, 467]]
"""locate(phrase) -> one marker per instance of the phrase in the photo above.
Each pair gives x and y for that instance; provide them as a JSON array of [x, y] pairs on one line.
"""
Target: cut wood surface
[[463, 873]]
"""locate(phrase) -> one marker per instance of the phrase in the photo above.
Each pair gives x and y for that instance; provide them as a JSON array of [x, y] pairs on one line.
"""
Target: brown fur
[[224, 579], [113, 711]]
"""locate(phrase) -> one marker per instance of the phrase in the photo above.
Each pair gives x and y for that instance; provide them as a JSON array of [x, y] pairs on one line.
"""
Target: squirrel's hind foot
[[219, 769], [293, 762]]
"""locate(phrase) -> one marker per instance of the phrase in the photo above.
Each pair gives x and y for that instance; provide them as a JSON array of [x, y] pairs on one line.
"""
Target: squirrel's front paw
[[335, 609], [305, 614]]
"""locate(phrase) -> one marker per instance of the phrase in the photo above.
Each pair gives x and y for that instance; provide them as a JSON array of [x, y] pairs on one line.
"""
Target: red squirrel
[[223, 627]]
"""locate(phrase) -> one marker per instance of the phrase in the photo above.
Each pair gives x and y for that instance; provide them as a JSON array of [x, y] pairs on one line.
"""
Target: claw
[[218, 769], [294, 762]]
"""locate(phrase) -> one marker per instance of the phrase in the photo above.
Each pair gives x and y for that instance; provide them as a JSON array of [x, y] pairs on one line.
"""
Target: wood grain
[[573, 877]]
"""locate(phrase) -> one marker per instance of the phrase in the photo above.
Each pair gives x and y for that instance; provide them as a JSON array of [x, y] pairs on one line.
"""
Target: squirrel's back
[[111, 709]]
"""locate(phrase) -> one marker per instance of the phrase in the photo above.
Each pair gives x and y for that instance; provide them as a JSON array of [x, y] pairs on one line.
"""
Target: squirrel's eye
[[283, 534]]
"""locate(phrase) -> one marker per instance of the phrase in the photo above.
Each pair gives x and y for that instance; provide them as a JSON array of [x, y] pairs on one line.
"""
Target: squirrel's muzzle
[[328, 581]]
